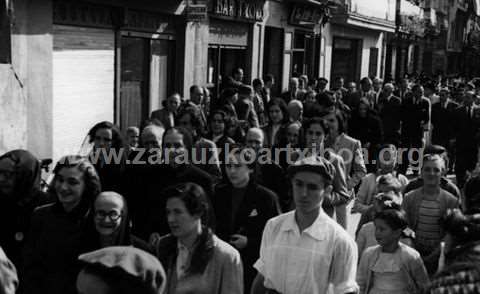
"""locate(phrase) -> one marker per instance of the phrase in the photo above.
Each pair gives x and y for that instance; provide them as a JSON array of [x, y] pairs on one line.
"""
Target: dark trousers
[[410, 155]]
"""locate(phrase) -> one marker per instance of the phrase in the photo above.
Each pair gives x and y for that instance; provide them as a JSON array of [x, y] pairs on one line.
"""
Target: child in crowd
[[391, 267], [366, 234]]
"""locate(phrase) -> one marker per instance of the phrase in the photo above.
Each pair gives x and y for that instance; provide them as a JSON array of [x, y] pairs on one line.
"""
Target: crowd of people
[[250, 191]]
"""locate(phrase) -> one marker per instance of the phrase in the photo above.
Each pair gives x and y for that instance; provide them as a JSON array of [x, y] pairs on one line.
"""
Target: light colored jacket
[[411, 267]]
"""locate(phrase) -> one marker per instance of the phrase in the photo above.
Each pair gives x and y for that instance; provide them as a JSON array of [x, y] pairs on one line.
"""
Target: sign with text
[[251, 10], [196, 12], [306, 16]]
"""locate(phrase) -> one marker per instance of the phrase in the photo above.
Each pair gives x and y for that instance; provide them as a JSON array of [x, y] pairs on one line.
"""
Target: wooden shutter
[[83, 84], [373, 63]]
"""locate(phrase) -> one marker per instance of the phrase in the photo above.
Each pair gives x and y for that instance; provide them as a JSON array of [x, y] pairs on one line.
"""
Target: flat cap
[[315, 164], [129, 261]]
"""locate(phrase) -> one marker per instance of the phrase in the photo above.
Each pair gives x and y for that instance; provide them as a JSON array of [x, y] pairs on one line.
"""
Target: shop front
[[109, 63]]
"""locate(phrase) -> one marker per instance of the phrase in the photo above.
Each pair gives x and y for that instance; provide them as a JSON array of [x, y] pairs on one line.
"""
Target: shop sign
[[252, 10], [196, 12], [146, 21], [306, 16], [88, 14]]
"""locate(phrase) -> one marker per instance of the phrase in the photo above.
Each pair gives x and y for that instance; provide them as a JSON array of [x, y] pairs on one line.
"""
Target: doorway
[[345, 59], [272, 57]]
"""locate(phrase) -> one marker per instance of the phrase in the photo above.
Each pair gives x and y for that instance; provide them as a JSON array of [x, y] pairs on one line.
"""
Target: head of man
[[311, 179], [322, 84], [238, 74], [293, 85], [444, 94], [433, 167], [133, 134], [352, 87], [366, 84], [388, 89], [255, 139], [377, 84], [196, 94], [151, 138], [269, 81], [173, 102], [295, 110], [338, 83], [418, 91], [246, 92]]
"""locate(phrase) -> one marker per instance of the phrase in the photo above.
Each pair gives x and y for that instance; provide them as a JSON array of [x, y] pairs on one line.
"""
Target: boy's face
[[384, 234], [308, 191], [237, 171]]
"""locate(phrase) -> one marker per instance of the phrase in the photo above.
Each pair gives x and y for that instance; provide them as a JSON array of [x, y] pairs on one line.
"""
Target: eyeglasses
[[113, 215]]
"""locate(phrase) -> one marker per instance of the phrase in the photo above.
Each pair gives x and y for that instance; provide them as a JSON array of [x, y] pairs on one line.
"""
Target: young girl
[[366, 234], [391, 267]]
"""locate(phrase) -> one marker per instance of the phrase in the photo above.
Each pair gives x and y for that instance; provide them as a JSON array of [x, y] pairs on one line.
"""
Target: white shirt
[[320, 258]]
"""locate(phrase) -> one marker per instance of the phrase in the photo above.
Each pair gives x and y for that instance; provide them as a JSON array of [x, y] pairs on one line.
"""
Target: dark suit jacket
[[163, 116], [442, 121], [258, 206], [390, 116], [466, 130], [352, 100], [414, 115]]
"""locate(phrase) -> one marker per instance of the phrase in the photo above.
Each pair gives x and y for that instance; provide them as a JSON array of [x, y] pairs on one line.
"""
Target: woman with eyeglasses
[[56, 234], [195, 259], [426, 207], [110, 224]]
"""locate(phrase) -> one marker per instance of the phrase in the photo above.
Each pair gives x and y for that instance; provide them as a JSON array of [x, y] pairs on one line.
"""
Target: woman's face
[[69, 186], [103, 138], [314, 136], [180, 221], [384, 234], [331, 122], [7, 177], [108, 213], [217, 124], [276, 115], [174, 146]]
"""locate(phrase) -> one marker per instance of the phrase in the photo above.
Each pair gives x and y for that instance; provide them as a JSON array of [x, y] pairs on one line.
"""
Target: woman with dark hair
[[110, 225], [19, 193], [56, 235], [277, 118], [218, 131], [196, 261], [107, 139], [365, 126], [350, 150], [242, 208], [460, 271], [314, 133]]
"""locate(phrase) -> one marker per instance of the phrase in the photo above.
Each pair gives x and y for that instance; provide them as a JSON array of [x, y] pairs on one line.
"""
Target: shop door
[[345, 59], [222, 60], [272, 56], [303, 54], [83, 84], [146, 77]]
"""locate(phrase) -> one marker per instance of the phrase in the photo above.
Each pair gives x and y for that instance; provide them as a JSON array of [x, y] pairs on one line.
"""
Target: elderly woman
[[110, 224], [196, 260], [20, 194], [56, 236]]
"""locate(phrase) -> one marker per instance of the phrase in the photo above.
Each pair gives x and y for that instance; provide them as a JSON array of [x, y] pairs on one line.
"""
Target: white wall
[[382, 9]]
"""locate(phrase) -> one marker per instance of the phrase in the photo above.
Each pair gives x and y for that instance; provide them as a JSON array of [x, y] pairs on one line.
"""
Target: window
[[373, 64], [5, 48]]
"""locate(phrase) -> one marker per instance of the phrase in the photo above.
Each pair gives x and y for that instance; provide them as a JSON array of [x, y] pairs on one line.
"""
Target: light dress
[[388, 277]]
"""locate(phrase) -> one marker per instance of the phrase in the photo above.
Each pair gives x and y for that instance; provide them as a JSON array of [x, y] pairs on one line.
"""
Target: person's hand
[[238, 241]]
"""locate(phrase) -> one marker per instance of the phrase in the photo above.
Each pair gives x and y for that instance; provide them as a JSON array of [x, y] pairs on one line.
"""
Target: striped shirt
[[428, 227]]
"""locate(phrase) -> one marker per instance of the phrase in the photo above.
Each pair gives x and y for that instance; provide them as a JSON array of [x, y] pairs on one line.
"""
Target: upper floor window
[[5, 32]]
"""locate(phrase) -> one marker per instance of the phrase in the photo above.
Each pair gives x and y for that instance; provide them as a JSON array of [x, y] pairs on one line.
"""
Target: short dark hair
[[192, 195], [117, 138], [395, 218], [281, 104], [193, 87]]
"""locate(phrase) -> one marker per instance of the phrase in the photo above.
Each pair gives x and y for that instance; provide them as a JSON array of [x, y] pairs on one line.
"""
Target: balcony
[[411, 20], [372, 14]]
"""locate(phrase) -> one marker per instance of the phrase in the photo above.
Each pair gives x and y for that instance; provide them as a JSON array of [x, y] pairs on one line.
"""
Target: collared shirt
[[183, 259], [319, 260]]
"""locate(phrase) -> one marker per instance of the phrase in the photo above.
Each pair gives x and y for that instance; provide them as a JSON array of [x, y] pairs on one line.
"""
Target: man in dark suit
[[389, 110], [415, 122], [167, 114], [443, 132], [366, 91], [352, 98], [466, 127]]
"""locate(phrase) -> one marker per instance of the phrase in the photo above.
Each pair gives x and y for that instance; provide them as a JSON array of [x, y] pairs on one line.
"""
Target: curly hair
[[90, 176], [118, 141]]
